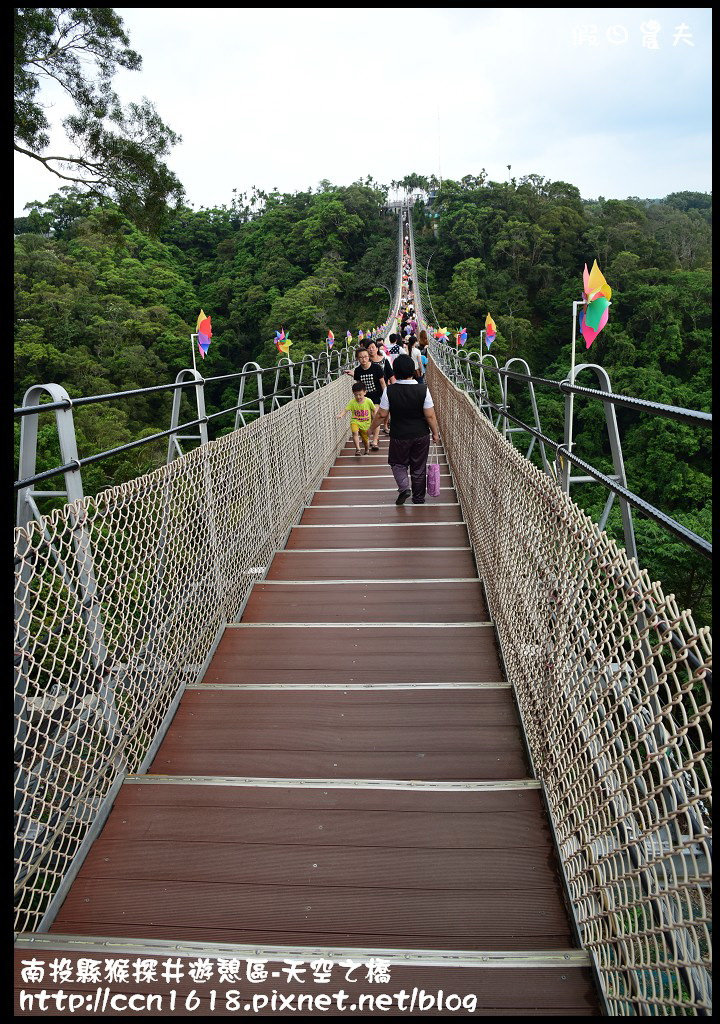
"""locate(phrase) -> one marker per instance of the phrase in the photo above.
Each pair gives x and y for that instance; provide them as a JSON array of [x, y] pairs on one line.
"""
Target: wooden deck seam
[[481, 624], [394, 579], [356, 526], [430, 786], [440, 957], [489, 685], [325, 551], [407, 508]]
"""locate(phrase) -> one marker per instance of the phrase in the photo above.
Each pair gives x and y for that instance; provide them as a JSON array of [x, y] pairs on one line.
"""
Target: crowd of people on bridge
[[381, 401]]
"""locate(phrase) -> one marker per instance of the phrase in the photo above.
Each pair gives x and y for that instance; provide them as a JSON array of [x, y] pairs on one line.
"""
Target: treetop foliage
[[113, 152]]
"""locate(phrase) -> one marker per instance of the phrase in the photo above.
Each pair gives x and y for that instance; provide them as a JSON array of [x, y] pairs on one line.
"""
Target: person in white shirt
[[412, 422], [416, 356]]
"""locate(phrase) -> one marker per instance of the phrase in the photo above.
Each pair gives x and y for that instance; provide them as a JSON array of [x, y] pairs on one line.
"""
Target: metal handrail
[[674, 412], [443, 353], [72, 403], [343, 356], [694, 417], [647, 509]]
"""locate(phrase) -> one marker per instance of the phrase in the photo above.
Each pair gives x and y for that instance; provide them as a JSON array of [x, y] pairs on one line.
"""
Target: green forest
[[110, 278]]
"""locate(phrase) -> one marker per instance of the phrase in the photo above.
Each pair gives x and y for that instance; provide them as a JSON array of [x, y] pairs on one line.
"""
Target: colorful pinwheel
[[441, 334], [204, 333], [282, 341], [490, 330], [594, 314], [461, 336], [330, 339]]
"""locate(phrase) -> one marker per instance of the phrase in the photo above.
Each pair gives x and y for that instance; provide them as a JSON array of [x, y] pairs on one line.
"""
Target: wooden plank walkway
[[348, 776]]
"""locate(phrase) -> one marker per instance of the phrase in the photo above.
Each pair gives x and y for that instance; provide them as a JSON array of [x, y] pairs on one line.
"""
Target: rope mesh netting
[[613, 684], [118, 601]]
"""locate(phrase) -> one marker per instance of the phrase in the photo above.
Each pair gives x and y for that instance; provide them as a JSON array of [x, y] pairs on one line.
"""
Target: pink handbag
[[433, 474]]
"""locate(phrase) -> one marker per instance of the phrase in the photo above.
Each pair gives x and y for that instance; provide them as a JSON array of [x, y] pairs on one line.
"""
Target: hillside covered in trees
[[102, 305]]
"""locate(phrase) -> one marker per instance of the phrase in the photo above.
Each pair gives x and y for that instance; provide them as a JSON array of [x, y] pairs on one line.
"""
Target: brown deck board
[[347, 829], [330, 798], [340, 828], [339, 737], [480, 766], [308, 911], [495, 701], [382, 516], [345, 709], [365, 496], [438, 939], [267, 863], [347, 602], [371, 482], [372, 565], [320, 537], [363, 467], [235, 726], [384, 443], [392, 654], [398, 734]]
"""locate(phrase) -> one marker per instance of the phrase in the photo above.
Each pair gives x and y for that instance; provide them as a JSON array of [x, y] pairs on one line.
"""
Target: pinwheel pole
[[481, 381], [193, 343], [568, 440]]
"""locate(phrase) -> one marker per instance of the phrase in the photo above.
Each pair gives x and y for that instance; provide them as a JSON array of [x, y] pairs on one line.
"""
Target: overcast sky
[[616, 101]]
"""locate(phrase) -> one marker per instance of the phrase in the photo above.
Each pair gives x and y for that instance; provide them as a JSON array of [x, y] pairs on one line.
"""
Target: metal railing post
[[246, 371], [616, 451], [65, 425], [83, 584], [536, 415], [174, 448]]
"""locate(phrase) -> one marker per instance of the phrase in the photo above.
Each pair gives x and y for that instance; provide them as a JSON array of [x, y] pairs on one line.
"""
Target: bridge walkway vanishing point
[[348, 778]]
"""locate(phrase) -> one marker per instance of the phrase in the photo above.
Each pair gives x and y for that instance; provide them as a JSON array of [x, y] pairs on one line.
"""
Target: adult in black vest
[[412, 420]]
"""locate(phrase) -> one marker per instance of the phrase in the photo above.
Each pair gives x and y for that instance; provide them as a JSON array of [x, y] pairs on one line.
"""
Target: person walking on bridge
[[382, 361], [371, 375], [412, 420]]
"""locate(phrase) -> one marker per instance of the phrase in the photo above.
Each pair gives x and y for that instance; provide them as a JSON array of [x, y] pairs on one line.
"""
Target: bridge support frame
[[240, 415], [65, 425], [174, 447], [504, 383], [615, 448]]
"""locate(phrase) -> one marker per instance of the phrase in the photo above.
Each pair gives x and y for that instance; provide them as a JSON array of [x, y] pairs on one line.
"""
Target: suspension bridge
[[264, 714]]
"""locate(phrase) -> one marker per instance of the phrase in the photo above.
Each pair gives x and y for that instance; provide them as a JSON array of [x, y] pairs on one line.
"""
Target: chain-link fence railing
[[613, 683], [119, 599]]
